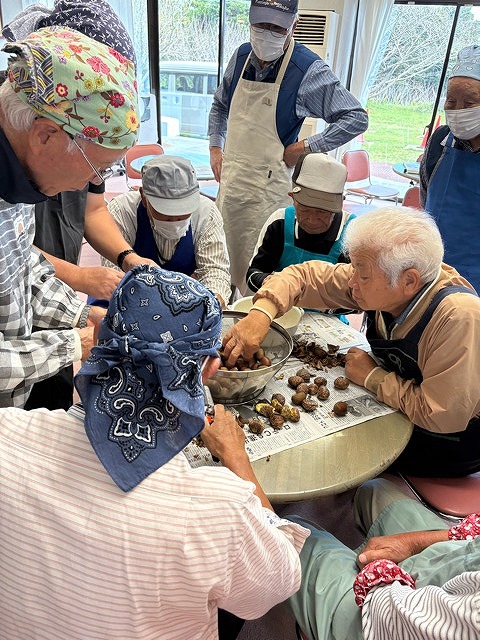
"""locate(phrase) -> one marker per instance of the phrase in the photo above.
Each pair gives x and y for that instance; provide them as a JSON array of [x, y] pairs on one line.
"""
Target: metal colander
[[231, 387]]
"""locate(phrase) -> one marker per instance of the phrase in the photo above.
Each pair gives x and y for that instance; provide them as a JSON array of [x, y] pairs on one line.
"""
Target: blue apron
[[294, 255], [427, 453], [183, 259], [453, 198]]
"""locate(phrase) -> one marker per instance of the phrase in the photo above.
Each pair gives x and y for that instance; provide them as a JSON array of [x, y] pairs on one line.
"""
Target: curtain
[[366, 21]]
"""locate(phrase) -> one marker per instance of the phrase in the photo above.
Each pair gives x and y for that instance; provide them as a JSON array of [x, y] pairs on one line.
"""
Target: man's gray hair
[[18, 114], [400, 238]]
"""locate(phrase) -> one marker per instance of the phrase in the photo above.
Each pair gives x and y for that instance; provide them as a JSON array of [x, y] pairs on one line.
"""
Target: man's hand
[[216, 160], [221, 301], [100, 282], [94, 320], [224, 438], [400, 546], [245, 337], [87, 340], [292, 153], [358, 365], [133, 259]]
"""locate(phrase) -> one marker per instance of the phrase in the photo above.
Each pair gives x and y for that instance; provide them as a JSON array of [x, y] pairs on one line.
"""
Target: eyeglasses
[[102, 174], [275, 30]]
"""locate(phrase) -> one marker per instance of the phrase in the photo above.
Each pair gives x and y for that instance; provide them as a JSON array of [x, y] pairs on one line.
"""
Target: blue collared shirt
[[320, 95]]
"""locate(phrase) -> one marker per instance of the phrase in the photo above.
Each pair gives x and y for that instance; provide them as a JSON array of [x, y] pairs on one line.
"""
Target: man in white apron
[[271, 84]]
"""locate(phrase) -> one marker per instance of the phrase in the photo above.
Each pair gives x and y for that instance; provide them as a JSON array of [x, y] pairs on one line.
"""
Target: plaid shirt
[[30, 296]]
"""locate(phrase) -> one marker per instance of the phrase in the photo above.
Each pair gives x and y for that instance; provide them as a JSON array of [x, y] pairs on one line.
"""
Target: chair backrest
[[138, 151], [450, 497], [412, 198], [357, 162]]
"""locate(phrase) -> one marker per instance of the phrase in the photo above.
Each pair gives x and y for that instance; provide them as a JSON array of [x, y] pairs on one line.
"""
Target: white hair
[[400, 238], [18, 114]]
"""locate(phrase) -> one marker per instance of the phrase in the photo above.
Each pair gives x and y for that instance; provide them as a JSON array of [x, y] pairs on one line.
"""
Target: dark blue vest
[[427, 454], [288, 123], [183, 259]]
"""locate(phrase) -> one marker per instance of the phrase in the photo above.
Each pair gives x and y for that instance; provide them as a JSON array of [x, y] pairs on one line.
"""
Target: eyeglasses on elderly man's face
[[276, 31], [101, 174]]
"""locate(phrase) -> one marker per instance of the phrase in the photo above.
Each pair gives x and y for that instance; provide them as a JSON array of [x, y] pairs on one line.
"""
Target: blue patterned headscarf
[[141, 387]]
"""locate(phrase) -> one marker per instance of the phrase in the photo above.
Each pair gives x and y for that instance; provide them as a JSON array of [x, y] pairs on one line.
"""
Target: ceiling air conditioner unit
[[317, 30]]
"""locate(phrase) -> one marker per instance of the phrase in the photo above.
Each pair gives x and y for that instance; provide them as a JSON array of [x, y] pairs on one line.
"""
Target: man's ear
[[412, 282], [210, 368], [44, 132]]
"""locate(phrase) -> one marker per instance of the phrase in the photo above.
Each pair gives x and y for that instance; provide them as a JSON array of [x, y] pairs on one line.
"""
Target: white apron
[[255, 181]]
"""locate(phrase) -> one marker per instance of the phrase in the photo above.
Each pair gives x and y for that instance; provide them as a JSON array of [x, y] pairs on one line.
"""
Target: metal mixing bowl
[[233, 387]]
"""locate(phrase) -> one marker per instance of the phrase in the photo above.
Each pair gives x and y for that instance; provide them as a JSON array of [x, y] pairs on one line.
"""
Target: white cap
[[319, 181]]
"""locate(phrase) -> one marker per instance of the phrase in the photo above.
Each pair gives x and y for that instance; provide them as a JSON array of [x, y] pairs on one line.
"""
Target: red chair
[[138, 151], [412, 198], [451, 498], [358, 178]]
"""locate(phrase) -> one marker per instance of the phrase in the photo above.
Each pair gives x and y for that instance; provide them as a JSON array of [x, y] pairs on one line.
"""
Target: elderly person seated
[[106, 530], [168, 221], [312, 229], [424, 331], [450, 167], [419, 579]]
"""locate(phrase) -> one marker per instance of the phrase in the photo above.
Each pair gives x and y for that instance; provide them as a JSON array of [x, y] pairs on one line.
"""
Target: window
[[403, 95]]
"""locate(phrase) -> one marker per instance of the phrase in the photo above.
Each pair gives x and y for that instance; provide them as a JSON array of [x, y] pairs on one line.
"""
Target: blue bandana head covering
[[468, 63], [141, 387]]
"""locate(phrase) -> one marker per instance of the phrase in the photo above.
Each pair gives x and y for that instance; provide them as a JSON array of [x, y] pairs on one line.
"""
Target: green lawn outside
[[396, 130]]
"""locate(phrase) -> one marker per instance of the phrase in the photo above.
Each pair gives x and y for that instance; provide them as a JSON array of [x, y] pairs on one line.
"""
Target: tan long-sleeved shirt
[[448, 350]]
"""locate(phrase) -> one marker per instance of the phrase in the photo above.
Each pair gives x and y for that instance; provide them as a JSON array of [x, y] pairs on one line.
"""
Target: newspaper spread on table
[[362, 405]]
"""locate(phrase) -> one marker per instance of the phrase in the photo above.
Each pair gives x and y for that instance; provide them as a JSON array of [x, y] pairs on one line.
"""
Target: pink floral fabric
[[85, 86], [467, 529], [379, 572]]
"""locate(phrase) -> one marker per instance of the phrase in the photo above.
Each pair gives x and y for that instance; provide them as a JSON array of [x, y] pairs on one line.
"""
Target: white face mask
[[464, 123], [266, 46], [171, 230]]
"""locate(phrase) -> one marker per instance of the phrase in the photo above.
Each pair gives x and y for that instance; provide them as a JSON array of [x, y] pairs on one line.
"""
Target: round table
[[401, 170], [336, 462]]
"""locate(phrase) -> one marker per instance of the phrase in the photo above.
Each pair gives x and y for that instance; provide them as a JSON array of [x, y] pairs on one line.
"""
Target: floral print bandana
[[86, 87], [142, 386]]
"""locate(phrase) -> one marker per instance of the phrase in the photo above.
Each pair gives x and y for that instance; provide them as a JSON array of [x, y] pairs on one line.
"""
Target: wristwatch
[[306, 146]]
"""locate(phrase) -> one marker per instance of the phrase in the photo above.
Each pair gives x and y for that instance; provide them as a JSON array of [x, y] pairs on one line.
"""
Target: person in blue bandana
[[107, 531], [450, 168]]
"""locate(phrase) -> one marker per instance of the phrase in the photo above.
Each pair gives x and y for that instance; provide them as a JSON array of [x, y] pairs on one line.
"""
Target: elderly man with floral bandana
[[106, 532], [68, 110]]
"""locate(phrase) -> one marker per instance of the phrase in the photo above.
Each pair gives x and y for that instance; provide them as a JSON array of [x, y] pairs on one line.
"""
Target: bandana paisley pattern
[[142, 386], [136, 415]]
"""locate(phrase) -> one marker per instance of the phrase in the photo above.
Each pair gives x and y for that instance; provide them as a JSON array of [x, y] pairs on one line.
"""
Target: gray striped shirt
[[320, 95], [449, 612]]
